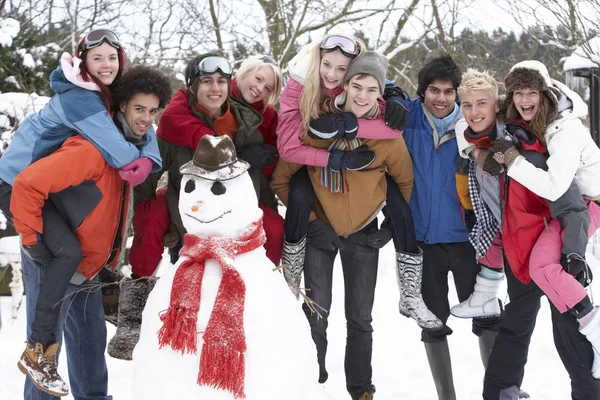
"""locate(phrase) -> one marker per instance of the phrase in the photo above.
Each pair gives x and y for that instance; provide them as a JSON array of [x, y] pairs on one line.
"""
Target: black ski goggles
[[346, 45], [97, 37], [210, 65]]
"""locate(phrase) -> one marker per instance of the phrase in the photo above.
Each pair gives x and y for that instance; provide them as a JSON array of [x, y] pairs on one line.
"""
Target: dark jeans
[[396, 211], [82, 321], [438, 260], [63, 244], [506, 366], [359, 263], [58, 237]]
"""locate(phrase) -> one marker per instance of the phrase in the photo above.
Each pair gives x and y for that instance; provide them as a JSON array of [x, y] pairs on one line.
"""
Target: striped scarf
[[334, 180]]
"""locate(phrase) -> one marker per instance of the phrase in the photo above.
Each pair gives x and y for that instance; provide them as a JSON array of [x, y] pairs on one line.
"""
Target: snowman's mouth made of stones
[[212, 220]]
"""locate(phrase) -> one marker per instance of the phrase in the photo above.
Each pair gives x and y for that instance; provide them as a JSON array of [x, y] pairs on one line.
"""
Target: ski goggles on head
[[346, 45], [210, 65], [96, 37]]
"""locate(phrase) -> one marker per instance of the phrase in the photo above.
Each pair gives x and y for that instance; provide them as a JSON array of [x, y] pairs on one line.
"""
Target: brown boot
[[41, 367], [366, 396]]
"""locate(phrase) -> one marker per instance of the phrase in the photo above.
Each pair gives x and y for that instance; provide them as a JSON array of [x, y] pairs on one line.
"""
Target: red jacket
[[76, 161], [178, 125], [525, 216]]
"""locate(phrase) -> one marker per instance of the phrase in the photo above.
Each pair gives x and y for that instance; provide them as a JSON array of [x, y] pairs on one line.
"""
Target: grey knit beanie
[[369, 63]]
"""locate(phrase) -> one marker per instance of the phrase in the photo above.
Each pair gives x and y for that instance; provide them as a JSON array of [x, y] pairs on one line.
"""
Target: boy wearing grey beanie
[[369, 63]]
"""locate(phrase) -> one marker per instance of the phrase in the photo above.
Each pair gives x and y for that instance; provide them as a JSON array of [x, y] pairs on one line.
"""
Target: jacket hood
[[68, 75], [58, 81], [570, 104]]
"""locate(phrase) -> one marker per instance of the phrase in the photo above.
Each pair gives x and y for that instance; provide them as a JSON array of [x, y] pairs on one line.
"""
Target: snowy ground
[[400, 369]]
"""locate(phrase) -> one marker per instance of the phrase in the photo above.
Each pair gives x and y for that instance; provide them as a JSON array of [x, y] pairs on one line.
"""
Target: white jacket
[[298, 65], [573, 155]]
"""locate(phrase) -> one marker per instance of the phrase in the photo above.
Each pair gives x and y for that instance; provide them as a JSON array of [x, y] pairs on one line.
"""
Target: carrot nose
[[195, 207]]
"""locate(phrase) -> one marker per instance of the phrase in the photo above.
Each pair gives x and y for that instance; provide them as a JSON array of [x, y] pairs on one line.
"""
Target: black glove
[[38, 252], [322, 236], [519, 135], [258, 155], [470, 219], [380, 237], [396, 110], [352, 160], [577, 267], [334, 125]]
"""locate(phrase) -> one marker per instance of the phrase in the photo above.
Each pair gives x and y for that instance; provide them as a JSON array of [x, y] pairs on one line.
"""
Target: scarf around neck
[[127, 132], [334, 180], [481, 140], [222, 362]]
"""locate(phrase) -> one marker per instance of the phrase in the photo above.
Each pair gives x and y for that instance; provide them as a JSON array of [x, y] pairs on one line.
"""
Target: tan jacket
[[365, 192]]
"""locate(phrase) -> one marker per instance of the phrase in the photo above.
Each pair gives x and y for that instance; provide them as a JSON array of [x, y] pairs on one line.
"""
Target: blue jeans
[[82, 321], [359, 263]]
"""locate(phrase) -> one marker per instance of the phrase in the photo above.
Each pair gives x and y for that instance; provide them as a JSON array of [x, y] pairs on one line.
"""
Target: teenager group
[[468, 183]]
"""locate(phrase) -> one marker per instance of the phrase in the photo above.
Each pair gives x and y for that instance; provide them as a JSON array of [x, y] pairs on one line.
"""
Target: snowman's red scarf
[[222, 363]]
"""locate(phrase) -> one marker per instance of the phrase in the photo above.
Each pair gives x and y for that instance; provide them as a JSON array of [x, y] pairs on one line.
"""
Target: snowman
[[221, 324]]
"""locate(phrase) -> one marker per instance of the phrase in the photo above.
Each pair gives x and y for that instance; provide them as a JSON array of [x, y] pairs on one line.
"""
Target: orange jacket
[[76, 161]]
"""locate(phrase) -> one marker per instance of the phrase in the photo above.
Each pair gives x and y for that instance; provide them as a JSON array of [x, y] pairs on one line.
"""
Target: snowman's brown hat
[[215, 159]]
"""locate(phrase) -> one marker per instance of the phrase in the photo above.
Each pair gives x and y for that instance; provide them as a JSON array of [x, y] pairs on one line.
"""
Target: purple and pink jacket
[[290, 130]]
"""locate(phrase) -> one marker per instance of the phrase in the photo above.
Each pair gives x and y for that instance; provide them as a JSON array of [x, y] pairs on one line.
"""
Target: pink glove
[[136, 171]]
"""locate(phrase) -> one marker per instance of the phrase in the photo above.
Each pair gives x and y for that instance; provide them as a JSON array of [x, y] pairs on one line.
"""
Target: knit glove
[[396, 110], [332, 126], [136, 171], [485, 160], [322, 236], [38, 252], [505, 152], [258, 155]]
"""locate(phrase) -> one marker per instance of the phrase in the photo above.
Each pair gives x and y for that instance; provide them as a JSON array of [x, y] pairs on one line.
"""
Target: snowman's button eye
[[218, 188], [190, 186]]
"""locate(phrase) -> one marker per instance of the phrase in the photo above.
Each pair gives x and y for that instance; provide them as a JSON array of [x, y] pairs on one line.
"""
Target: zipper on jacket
[[115, 247]]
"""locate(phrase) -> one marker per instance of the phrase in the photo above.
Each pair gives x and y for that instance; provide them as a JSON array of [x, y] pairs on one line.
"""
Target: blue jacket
[[434, 202], [70, 111]]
